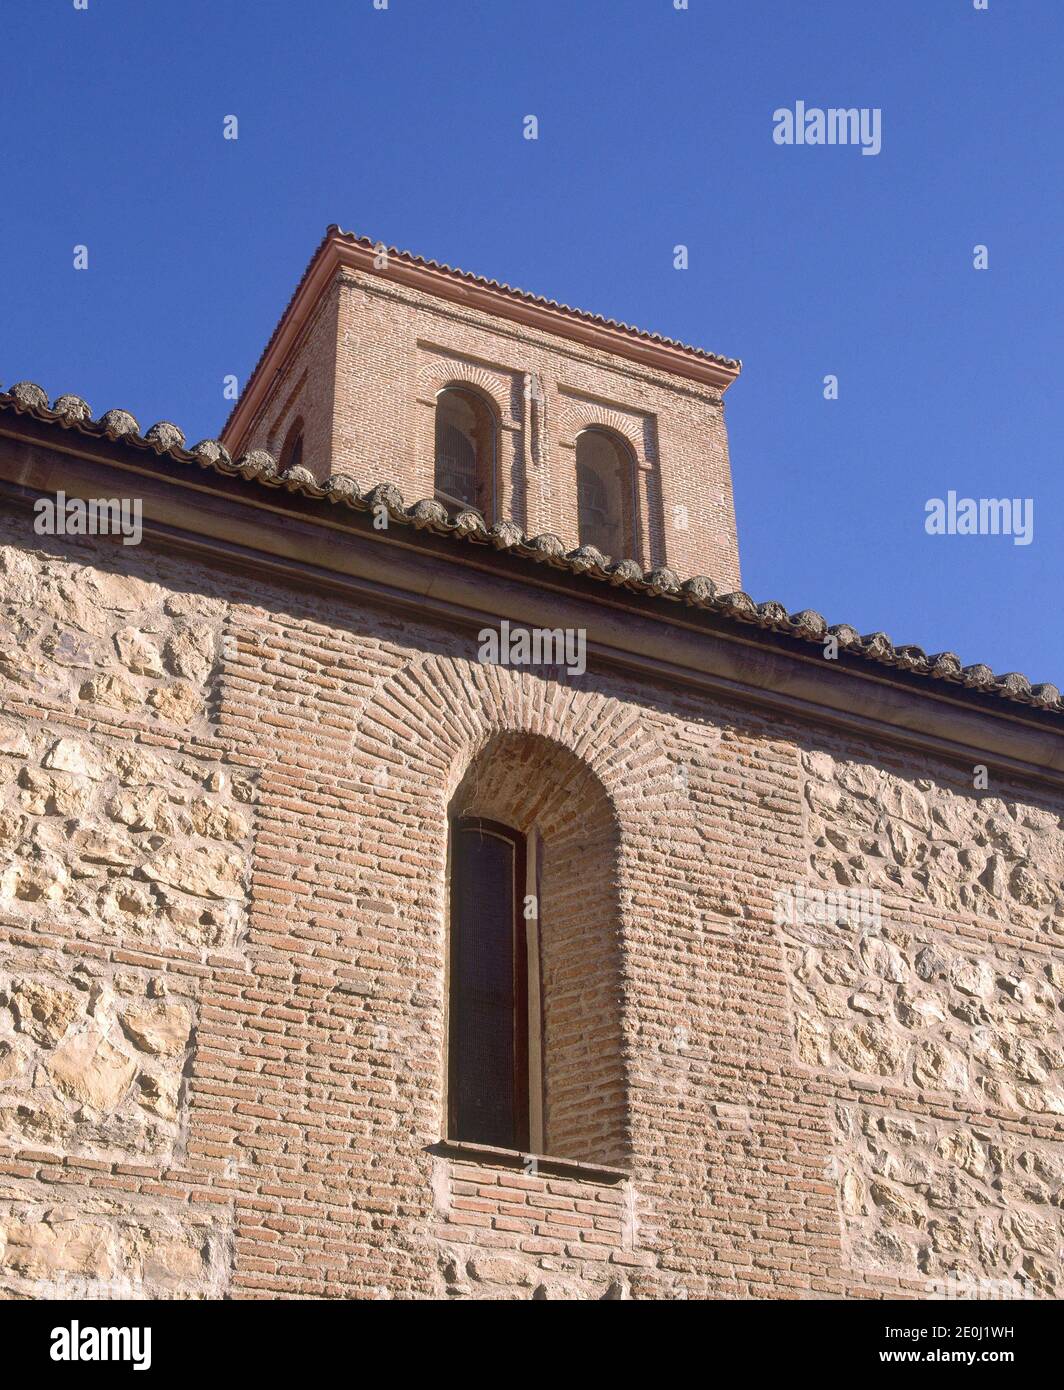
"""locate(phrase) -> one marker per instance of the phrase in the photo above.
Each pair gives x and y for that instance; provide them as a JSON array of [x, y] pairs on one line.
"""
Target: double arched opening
[[466, 473]]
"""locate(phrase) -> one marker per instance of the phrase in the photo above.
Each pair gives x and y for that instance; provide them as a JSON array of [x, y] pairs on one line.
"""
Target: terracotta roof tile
[[259, 468], [412, 259]]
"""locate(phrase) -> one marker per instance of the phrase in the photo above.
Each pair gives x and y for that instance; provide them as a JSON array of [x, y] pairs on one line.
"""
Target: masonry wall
[[305, 389], [222, 944], [387, 351]]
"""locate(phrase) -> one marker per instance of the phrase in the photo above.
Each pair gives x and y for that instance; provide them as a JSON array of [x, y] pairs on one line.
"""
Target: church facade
[[424, 872]]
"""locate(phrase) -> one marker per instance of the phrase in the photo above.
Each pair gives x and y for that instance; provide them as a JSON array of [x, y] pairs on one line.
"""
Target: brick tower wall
[[366, 376]]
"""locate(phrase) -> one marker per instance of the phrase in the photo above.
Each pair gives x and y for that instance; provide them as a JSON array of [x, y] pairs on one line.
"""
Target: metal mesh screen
[[482, 988]]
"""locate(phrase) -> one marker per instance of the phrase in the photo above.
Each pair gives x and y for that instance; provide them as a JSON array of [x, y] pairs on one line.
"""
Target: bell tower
[[390, 368]]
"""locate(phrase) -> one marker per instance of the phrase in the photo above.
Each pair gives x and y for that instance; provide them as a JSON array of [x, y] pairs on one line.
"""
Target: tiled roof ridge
[[259, 466], [513, 291], [529, 298]]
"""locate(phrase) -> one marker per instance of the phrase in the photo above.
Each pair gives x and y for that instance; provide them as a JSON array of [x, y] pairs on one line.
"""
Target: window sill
[[544, 1163]]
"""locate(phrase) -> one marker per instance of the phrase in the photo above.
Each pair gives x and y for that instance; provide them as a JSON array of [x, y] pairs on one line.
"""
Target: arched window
[[465, 452], [605, 494], [536, 1051], [292, 449], [488, 1052]]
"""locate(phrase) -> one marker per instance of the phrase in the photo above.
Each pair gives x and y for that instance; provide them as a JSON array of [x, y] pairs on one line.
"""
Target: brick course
[[310, 1118]]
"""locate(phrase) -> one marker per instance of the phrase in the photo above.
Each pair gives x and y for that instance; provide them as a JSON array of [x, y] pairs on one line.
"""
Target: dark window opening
[[465, 453], [488, 1052], [605, 502]]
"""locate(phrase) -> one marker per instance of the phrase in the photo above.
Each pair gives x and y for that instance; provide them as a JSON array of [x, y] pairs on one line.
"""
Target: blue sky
[[655, 128]]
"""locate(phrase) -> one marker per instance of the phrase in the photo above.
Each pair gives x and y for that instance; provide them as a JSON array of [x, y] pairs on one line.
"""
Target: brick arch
[[437, 377], [578, 764], [587, 416], [448, 708]]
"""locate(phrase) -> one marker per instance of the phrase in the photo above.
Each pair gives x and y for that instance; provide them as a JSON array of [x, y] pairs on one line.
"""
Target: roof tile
[[259, 468]]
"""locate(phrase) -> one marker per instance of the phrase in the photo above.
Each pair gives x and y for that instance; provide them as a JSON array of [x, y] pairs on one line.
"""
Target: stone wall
[[974, 1207], [86, 1245], [223, 808], [92, 1062]]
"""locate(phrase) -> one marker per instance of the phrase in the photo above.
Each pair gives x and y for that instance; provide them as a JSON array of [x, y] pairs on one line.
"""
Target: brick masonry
[[223, 806], [373, 355]]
